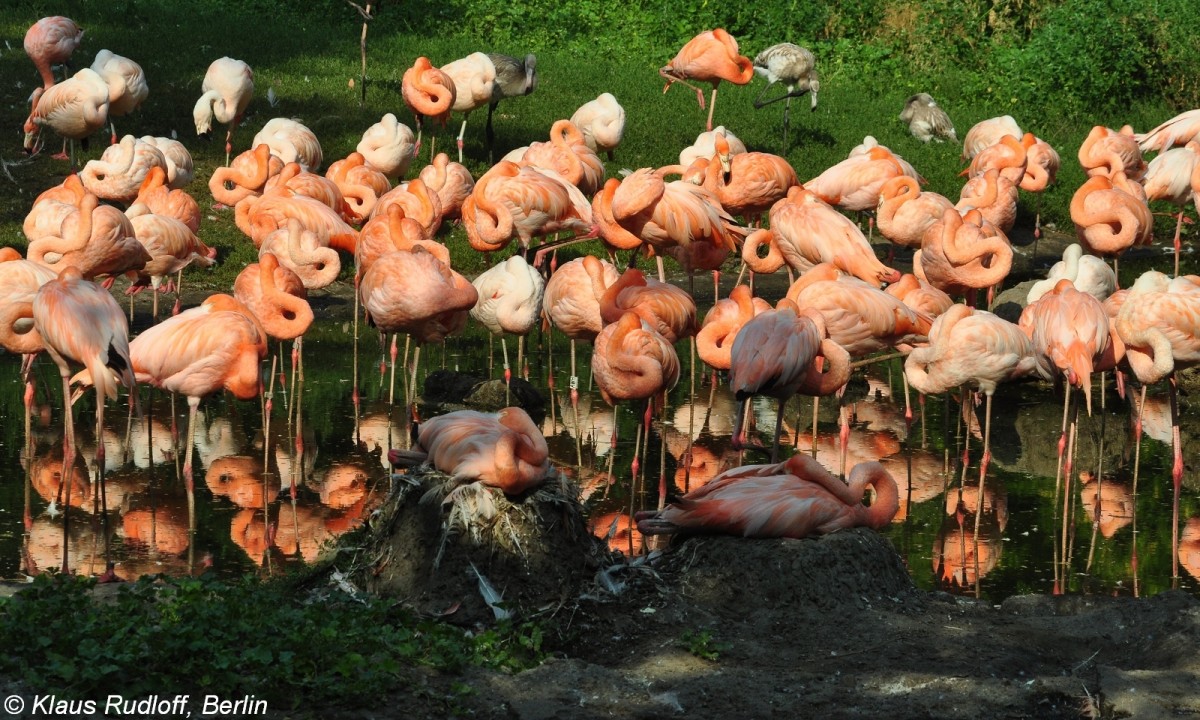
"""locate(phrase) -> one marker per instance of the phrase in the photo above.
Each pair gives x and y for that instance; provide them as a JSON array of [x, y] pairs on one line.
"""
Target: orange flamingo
[[905, 212], [986, 133], [859, 317], [1159, 323], [80, 322], [714, 341], [795, 499], [805, 231], [1041, 165], [302, 252], [1108, 152], [1111, 215], [451, 181], [503, 450], [774, 354], [429, 93], [51, 41], [291, 142], [394, 231], [1007, 156], [388, 146], [855, 183], [963, 253], [360, 185], [420, 202], [258, 217], [512, 201], [1179, 130], [172, 247], [1169, 177], [155, 196], [97, 239], [127, 88], [245, 177], [748, 183], [226, 92], [602, 122], [919, 295], [711, 56], [994, 195], [569, 155], [276, 296], [668, 309]]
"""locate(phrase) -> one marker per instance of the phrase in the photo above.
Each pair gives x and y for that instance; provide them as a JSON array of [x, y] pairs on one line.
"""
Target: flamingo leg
[[1178, 229], [507, 371], [461, 133], [1176, 480], [1137, 461], [676, 79], [574, 385], [103, 505], [778, 431], [68, 456], [712, 106], [983, 466], [188, 481]]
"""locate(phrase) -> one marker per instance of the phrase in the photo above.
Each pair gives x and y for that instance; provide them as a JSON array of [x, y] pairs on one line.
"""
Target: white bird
[[602, 122], [474, 79], [127, 87], [988, 132], [926, 119], [388, 146], [1087, 273], [795, 67], [706, 146], [510, 302], [1169, 177], [291, 141], [228, 87], [74, 108], [1179, 130]]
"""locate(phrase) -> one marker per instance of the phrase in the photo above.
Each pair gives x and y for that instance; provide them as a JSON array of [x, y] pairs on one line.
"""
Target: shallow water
[[329, 479]]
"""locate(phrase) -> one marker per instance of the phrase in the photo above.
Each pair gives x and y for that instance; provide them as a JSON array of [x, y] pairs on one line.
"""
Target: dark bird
[[514, 78], [793, 66], [926, 119]]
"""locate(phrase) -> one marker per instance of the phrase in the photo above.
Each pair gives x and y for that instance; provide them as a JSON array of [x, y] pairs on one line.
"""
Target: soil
[[727, 627]]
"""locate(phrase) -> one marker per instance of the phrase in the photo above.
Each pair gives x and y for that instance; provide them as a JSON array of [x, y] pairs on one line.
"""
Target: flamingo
[[226, 92], [510, 301], [567, 154], [419, 202], [631, 361], [711, 56], [97, 239], [474, 78], [503, 450], [919, 295], [19, 283], [1107, 152], [774, 354], [994, 195], [510, 200], [1087, 273], [301, 251], [451, 181], [292, 142], [360, 185], [1159, 323], [155, 196], [855, 183], [1179, 130], [905, 212], [179, 165], [1169, 177], [1007, 155], [394, 231], [988, 132], [119, 172], [278, 299], [1111, 215], [415, 293], [127, 88], [714, 340], [1041, 163], [51, 41], [705, 146], [963, 253], [747, 183], [245, 177], [74, 108], [429, 93], [795, 67], [795, 499], [926, 119], [172, 246], [668, 309], [80, 322], [388, 146], [602, 122], [806, 231]]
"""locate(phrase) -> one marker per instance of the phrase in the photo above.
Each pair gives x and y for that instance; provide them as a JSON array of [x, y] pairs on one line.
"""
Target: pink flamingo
[[711, 56]]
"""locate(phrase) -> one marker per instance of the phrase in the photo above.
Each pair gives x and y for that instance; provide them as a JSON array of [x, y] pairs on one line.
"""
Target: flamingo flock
[[129, 214]]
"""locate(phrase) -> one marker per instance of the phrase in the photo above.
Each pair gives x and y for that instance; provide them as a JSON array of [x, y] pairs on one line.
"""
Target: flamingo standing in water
[[227, 89], [1169, 177], [80, 322], [711, 56], [774, 355], [510, 301], [795, 499], [1159, 323], [429, 93], [714, 341]]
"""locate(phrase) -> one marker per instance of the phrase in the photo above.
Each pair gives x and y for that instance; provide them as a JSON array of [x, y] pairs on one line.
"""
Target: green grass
[[265, 639], [309, 61]]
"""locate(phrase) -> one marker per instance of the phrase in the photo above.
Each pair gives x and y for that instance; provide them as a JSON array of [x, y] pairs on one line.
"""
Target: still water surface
[[325, 472]]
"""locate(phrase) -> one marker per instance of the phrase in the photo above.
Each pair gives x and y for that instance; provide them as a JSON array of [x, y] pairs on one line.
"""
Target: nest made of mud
[[534, 550], [855, 569]]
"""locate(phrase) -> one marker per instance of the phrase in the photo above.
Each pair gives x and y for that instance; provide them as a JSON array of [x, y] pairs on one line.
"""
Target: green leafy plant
[[702, 644]]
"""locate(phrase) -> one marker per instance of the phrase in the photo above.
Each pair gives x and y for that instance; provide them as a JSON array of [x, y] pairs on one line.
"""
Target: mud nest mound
[[535, 551], [852, 569]]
